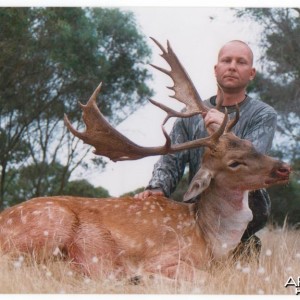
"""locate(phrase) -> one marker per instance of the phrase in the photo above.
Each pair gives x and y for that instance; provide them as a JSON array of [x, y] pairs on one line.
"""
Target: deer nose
[[283, 171]]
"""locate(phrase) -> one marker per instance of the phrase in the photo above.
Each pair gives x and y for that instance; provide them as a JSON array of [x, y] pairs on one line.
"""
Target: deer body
[[156, 234], [106, 235], [102, 235]]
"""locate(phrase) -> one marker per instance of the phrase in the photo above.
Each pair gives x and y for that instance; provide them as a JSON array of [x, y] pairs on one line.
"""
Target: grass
[[280, 259]]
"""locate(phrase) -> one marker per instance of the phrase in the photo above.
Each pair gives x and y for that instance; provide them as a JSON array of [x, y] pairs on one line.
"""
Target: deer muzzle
[[280, 173]]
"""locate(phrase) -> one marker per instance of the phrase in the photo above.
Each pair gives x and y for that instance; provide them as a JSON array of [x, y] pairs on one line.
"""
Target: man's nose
[[232, 65]]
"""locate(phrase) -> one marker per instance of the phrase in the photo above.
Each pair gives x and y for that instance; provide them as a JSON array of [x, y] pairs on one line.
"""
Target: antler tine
[[222, 128], [93, 98], [184, 89], [233, 122], [91, 102], [171, 112], [221, 99]]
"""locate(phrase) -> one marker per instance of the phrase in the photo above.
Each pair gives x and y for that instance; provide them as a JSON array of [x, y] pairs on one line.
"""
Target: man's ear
[[199, 183], [253, 74]]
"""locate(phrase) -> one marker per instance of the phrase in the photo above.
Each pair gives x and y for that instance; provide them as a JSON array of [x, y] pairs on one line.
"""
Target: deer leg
[[184, 271], [43, 231], [178, 270]]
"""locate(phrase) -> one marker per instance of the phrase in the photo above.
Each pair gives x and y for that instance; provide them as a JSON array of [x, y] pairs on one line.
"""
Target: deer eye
[[234, 164]]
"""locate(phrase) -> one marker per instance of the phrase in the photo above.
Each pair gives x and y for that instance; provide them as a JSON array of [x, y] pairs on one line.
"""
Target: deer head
[[235, 164]]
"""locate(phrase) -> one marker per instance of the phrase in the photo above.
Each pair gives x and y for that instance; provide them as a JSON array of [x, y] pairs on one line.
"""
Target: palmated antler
[[105, 138], [184, 89], [112, 144]]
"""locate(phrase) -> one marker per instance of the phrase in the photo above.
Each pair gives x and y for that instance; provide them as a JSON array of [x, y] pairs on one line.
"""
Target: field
[[280, 260]]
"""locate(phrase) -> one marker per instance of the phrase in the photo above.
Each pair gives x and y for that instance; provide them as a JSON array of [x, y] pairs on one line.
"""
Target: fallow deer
[[157, 235]]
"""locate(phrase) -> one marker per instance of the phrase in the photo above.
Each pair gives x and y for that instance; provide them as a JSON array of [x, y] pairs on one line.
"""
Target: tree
[[279, 81], [50, 59], [24, 181], [285, 204], [279, 85], [85, 189], [134, 192]]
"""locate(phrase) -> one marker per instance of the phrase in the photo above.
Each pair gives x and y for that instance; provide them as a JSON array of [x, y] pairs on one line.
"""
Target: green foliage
[[278, 83], [32, 181], [51, 58], [42, 179], [286, 204], [136, 191], [85, 189]]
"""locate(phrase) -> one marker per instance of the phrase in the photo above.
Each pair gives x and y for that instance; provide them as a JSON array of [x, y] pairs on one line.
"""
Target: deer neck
[[223, 216]]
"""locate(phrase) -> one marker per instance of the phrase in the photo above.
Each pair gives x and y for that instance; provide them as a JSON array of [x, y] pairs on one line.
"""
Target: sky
[[196, 34]]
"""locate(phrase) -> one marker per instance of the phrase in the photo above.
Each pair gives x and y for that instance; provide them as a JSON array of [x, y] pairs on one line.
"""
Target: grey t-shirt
[[257, 123]]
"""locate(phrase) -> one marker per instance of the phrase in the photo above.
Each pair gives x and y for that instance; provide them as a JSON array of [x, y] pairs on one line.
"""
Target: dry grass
[[280, 259]]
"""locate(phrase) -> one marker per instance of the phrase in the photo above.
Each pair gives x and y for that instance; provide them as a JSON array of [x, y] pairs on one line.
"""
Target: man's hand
[[213, 120], [148, 193]]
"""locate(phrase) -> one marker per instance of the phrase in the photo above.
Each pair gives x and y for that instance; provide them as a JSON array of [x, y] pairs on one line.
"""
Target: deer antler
[[232, 122], [184, 89], [105, 138], [112, 144]]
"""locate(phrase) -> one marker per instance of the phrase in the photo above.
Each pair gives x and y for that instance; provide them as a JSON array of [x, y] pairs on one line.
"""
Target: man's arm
[[262, 130], [169, 169]]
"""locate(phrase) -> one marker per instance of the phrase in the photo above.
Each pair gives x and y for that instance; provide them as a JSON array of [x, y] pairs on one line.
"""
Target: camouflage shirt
[[257, 123]]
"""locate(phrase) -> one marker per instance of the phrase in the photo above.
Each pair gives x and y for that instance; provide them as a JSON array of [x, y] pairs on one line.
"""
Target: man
[[234, 70]]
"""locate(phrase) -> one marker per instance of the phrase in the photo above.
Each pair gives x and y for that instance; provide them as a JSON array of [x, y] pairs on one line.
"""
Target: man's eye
[[234, 164]]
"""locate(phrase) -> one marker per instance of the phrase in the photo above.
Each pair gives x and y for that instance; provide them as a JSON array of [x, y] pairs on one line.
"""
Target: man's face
[[234, 67]]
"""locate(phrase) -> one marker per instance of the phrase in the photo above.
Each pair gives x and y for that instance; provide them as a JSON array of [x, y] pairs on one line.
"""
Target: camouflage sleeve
[[261, 130], [169, 169]]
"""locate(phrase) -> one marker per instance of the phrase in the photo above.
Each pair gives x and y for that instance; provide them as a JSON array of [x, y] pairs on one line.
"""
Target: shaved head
[[242, 45]]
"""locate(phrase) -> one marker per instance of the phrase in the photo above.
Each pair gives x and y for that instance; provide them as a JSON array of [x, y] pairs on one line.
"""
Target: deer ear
[[199, 183]]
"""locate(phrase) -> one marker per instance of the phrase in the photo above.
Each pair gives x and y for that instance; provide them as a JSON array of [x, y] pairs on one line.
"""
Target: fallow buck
[[156, 235]]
